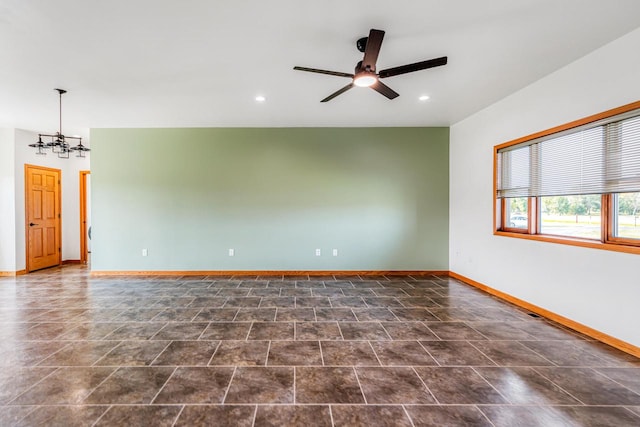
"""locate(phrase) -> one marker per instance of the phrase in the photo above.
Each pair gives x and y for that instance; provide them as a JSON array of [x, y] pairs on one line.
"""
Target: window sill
[[572, 242]]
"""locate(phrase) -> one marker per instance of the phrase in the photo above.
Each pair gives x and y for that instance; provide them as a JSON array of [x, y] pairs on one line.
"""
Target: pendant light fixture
[[58, 143]]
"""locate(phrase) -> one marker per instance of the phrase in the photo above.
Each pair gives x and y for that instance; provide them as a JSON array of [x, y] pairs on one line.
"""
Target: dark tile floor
[[278, 351]]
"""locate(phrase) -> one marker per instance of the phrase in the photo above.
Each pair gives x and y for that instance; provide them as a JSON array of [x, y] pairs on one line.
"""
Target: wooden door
[[43, 219], [84, 247]]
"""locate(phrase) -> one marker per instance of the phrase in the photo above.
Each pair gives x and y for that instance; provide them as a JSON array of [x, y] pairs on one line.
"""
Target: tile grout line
[[120, 344], [435, 399], [404, 408], [321, 352], [266, 360], [557, 385], [163, 385], [178, 416], [355, 372], [509, 401], [331, 415], [602, 374], [214, 353], [102, 415], [246, 338], [482, 352], [158, 331], [69, 344], [429, 353], [484, 415], [162, 351], [202, 333], [233, 374], [255, 415], [375, 353], [32, 386], [115, 369], [536, 352]]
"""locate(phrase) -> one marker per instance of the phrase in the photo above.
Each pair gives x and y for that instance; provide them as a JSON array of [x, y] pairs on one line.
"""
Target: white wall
[[70, 195], [7, 201], [600, 289]]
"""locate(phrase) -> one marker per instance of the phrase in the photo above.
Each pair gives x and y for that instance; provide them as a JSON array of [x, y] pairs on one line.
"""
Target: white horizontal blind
[[571, 164], [623, 156], [592, 159], [514, 172]]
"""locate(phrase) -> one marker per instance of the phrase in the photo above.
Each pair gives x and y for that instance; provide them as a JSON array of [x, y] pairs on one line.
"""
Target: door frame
[[27, 210], [84, 250]]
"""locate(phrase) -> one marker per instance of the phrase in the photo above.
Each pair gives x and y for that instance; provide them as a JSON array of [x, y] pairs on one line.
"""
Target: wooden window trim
[[593, 244], [505, 220], [608, 229], [607, 241], [594, 118]]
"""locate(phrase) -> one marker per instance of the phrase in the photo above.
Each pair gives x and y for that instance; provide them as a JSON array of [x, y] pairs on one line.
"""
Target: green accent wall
[[378, 195]]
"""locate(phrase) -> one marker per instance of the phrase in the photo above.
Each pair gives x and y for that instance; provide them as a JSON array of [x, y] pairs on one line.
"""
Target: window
[[516, 213], [625, 216], [577, 184], [572, 216]]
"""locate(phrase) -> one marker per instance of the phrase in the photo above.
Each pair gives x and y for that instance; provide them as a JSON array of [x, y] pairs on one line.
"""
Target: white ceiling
[[161, 63]]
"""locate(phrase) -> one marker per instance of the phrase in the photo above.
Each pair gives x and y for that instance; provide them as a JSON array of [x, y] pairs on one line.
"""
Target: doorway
[[43, 221], [85, 216]]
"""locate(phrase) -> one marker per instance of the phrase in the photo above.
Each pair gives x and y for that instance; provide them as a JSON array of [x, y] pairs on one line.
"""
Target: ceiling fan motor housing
[[361, 44]]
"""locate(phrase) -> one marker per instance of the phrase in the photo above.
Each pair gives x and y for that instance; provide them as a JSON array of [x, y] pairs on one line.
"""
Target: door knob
[[32, 224]]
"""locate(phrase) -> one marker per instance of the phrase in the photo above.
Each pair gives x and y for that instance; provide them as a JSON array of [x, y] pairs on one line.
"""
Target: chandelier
[[58, 142]]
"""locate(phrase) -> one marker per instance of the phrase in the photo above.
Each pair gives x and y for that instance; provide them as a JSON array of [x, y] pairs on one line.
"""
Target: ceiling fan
[[365, 72]]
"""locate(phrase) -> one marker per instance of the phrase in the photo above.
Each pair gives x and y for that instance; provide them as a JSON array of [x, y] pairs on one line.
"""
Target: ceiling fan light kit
[[365, 79], [365, 72], [58, 143]]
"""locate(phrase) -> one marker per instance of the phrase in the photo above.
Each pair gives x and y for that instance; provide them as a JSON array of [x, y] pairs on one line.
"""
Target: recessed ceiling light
[[260, 98], [423, 98]]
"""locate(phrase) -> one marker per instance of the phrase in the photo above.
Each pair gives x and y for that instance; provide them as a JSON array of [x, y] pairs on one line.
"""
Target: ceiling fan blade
[[384, 90], [338, 92], [331, 73], [374, 42], [410, 68]]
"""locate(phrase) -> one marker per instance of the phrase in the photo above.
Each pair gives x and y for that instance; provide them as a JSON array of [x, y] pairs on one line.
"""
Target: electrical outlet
[[318, 252], [145, 252], [335, 252], [232, 252]]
